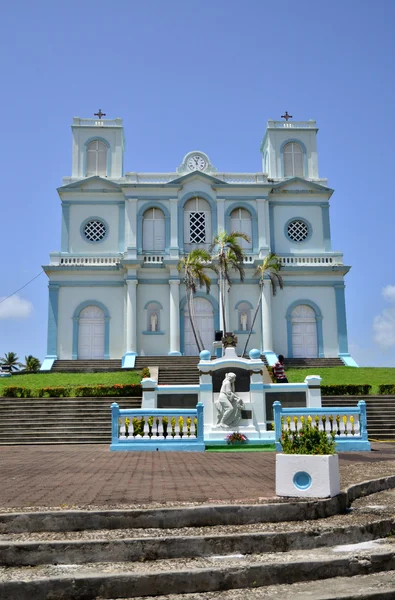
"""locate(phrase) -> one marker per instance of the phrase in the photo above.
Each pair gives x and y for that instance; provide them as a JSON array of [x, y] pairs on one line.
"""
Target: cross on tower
[[100, 114], [286, 116]]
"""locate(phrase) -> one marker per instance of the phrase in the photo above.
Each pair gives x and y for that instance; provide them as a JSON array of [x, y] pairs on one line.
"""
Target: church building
[[115, 291]]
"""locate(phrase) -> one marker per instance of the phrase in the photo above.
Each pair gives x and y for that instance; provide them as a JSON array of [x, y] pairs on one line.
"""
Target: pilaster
[[174, 286], [174, 248]]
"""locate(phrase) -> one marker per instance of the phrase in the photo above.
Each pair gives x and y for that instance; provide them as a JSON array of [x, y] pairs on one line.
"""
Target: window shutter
[[91, 160], [101, 159], [159, 232], [148, 234]]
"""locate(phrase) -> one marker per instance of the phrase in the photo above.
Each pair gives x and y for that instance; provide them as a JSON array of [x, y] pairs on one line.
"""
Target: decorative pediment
[[298, 185], [91, 184], [197, 176]]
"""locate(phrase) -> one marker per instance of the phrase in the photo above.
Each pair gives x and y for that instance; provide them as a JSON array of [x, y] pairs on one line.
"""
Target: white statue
[[154, 321], [243, 321], [228, 405]]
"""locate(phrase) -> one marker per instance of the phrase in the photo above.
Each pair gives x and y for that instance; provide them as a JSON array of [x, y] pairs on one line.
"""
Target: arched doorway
[[91, 333], [204, 317], [304, 332]]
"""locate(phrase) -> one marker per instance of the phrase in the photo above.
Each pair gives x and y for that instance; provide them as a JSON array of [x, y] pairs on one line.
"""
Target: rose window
[[94, 231], [197, 227], [297, 231]]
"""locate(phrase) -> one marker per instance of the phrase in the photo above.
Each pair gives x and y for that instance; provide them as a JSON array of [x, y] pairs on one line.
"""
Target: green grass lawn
[[39, 380], [373, 376]]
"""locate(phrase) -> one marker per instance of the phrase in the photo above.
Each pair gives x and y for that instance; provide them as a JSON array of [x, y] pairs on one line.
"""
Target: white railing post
[[149, 388], [313, 395]]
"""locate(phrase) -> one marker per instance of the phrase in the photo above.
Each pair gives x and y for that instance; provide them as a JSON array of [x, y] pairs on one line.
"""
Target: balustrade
[[346, 424], [153, 258], [311, 260], [172, 429], [98, 261]]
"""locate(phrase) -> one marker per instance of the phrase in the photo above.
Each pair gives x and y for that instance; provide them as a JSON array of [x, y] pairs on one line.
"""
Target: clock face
[[196, 163]]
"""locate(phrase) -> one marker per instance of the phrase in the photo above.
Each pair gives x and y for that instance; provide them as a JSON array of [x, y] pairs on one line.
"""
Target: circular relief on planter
[[302, 480]]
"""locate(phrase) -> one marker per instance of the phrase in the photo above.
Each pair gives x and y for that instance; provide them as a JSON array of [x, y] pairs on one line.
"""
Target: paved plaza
[[67, 476]]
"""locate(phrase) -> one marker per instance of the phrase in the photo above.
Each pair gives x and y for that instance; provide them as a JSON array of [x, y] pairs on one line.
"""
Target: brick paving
[[82, 475]]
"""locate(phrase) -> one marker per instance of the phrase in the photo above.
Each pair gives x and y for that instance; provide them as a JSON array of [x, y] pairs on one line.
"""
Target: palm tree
[[194, 265], [228, 253], [32, 364], [270, 266], [11, 360]]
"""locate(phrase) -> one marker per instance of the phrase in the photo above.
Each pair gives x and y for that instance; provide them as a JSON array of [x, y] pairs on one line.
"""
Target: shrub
[[13, 391], [52, 392], [387, 388], [307, 440], [128, 389], [346, 390], [145, 373]]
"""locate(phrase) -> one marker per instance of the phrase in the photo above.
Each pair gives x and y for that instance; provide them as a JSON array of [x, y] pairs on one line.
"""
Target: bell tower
[[98, 147], [289, 149]]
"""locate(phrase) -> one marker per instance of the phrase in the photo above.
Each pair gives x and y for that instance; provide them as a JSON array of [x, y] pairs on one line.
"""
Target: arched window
[[197, 224], [243, 316], [293, 160], [153, 230], [240, 220], [153, 317], [96, 159]]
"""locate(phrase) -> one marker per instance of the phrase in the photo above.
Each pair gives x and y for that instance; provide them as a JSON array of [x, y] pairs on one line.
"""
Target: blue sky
[[200, 75]]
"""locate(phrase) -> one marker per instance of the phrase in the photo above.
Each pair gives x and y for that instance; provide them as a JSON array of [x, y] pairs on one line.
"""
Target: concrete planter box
[[307, 475]]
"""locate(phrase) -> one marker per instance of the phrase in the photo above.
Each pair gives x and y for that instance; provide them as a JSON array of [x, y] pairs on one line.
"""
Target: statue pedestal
[[248, 386]]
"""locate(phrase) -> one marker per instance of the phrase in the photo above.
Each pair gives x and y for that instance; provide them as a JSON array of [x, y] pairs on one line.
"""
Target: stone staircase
[[311, 363], [25, 421], [173, 370], [284, 550], [380, 412], [87, 366]]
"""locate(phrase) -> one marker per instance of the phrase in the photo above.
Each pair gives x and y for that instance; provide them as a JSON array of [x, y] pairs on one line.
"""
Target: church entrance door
[[91, 333], [304, 332], [204, 318]]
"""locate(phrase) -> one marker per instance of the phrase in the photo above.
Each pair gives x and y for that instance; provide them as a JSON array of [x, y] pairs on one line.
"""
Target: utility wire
[[21, 288]]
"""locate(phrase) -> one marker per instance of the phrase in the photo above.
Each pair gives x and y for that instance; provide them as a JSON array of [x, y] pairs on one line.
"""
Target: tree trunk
[[254, 319], [191, 317]]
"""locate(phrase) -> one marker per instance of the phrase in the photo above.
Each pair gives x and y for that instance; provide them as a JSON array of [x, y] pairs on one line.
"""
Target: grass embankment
[[373, 376], [40, 380]]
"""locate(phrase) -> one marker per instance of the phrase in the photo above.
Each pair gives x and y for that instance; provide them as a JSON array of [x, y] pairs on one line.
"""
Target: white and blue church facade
[[115, 291]]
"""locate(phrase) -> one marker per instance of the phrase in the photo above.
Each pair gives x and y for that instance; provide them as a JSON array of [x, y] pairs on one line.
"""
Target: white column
[[174, 248], [174, 317], [267, 332], [263, 225], [131, 314], [131, 227], [220, 214]]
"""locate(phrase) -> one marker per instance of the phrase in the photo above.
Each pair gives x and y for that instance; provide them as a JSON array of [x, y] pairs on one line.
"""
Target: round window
[[95, 231], [297, 230]]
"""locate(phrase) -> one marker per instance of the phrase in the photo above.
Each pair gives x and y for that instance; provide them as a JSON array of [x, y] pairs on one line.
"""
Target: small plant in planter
[[236, 438], [308, 465], [307, 440]]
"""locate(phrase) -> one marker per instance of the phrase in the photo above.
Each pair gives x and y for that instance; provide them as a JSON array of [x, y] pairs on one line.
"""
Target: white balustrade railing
[[153, 258], [311, 261], [97, 122], [292, 124], [91, 261], [346, 424], [157, 428]]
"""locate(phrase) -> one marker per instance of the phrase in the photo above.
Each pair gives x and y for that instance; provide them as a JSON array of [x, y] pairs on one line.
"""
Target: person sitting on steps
[[278, 370]]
